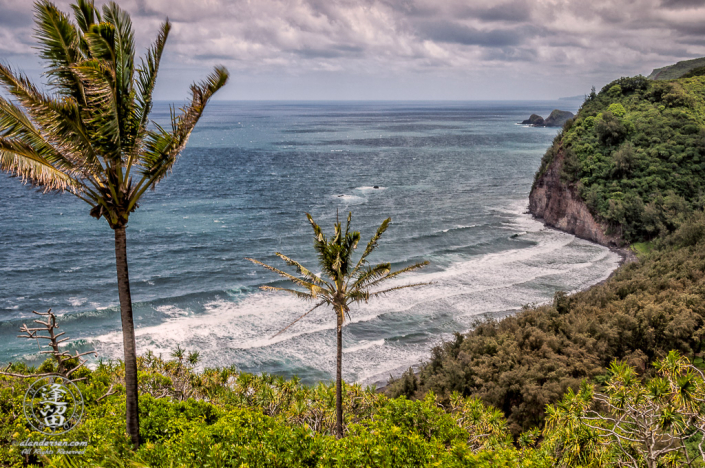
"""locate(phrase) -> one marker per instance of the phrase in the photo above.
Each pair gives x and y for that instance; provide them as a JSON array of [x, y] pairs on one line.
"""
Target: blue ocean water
[[454, 178]]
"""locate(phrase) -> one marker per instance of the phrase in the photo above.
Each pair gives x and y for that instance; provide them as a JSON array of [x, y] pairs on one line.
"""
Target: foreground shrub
[[239, 420], [633, 423]]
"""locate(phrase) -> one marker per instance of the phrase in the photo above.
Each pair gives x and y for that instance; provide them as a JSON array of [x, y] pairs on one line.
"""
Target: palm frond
[[370, 274], [146, 81], [59, 45], [102, 113], [413, 267], [300, 294], [22, 161], [313, 288], [86, 14], [16, 126], [300, 317], [319, 237], [301, 269], [60, 120], [371, 245], [124, 68], [358, 295], [123, 50], [162, 148], [100, 39]]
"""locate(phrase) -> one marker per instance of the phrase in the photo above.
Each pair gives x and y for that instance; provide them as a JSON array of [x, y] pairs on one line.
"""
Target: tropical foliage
[[344, 282], [91, 136], [659, 422], [635, 153], [524, 362], [233, 419]]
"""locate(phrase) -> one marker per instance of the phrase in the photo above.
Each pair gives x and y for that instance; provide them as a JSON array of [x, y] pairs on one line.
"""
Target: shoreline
[[626, 255]]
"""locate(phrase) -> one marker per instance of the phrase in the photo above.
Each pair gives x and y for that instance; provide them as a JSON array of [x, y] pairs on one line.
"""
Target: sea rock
[[558, 118], [535, 120], [560, 206]]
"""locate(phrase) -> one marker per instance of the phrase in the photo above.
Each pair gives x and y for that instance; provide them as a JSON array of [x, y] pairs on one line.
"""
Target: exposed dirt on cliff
[[559, 206]]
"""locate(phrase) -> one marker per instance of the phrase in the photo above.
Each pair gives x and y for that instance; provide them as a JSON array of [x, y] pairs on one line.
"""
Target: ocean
[[453, 176]]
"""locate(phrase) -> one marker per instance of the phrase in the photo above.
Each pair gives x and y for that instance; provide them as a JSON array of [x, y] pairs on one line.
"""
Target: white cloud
[[531, 43]]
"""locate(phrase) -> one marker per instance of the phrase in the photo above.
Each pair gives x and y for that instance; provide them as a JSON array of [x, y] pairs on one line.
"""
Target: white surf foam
[[371, 188], [239, 330], [77, 301], [459, 227]]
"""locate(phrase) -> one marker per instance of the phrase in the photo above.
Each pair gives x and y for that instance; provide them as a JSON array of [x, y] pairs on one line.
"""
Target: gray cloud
[[515, 11], [682, 4], [511, 54], [449, 31], [425, 46]]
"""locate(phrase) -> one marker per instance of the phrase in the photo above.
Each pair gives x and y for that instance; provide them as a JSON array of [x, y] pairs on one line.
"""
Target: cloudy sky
[[399, 49]]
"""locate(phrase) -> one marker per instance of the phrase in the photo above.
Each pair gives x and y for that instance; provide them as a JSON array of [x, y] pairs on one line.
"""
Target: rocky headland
[[559, 206], [557, 119]]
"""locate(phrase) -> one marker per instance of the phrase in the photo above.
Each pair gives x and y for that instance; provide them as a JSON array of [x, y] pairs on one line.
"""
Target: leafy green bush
[[528, 360], [234, 419], [635, 153], [633, 422]]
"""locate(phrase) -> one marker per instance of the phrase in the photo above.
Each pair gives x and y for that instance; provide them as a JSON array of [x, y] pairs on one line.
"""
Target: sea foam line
[[239, 331]]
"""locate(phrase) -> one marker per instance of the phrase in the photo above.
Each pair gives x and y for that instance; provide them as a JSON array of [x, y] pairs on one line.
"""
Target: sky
[[397, 49]]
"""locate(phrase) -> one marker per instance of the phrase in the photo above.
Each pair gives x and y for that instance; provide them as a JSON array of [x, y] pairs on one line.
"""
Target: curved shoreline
[[626, 256]]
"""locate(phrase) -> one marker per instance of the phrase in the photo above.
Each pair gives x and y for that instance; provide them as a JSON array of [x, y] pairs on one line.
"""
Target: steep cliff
[[630, 166], [558, 204]]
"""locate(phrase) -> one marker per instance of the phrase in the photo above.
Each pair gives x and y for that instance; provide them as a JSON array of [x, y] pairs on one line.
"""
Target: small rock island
[[556, 119]]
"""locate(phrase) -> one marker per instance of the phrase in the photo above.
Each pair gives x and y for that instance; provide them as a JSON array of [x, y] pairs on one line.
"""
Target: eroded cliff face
[[560, 207]]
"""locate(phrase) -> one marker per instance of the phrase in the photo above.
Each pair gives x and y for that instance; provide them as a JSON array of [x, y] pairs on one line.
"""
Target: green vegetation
[[347, 283], [700, 71], [524, 362], [568, 384], [681, 69], [657, 422], [222, 418], [642, 248], [92, 137], [635, 153]]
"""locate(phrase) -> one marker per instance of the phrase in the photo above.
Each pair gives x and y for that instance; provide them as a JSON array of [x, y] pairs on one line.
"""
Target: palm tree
[[92, 135], [345, 283]]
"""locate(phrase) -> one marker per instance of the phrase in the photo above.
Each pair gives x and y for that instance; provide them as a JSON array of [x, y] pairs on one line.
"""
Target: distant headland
[[556, 119]]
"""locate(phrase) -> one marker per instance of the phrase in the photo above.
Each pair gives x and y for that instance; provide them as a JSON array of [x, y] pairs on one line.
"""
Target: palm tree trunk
[[128, 337], [339, 383]]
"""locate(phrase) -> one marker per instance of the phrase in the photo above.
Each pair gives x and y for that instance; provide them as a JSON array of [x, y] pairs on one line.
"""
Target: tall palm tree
[[91, 136], [345, 283]]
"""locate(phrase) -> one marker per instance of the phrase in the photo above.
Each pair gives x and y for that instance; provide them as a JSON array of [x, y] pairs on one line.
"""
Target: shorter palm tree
[[345, 283]]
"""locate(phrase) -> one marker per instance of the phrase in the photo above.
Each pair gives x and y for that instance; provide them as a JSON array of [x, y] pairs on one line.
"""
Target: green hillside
[[635, 153], [678, 70], [524, 362]]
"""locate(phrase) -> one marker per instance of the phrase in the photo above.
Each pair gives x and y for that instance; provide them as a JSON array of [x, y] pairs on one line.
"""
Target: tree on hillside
[[345, 283], [660, 422], [90, 136]]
